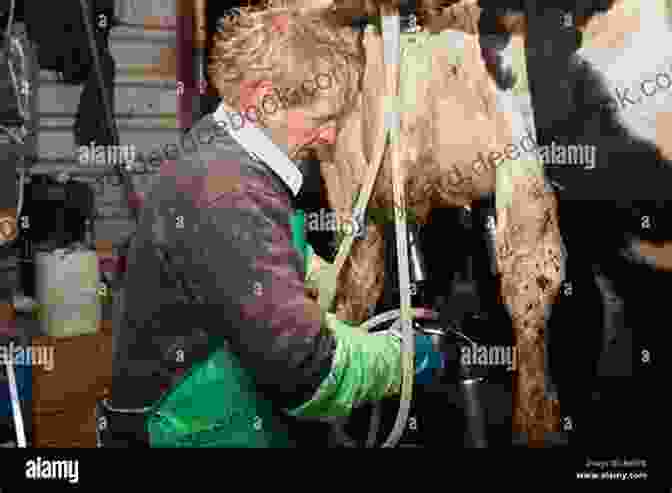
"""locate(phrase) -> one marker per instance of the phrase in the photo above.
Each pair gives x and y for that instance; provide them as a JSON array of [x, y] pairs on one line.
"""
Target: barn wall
[[145, 112]]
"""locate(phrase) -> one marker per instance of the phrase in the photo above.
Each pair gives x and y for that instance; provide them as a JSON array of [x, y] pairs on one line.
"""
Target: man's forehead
[[328, 92]]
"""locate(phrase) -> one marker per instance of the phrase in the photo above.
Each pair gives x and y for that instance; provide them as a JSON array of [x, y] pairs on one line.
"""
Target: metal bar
[[16, 404], [109, 111]]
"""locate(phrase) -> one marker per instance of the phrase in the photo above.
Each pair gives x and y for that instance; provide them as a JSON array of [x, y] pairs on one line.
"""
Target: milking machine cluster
[[456, 391]]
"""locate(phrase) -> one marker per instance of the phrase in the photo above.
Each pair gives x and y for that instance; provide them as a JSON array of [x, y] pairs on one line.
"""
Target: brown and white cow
[[451, 116], [456, 117]]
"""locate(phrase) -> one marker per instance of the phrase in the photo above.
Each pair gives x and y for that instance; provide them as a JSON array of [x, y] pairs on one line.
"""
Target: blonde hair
[[252, 48]]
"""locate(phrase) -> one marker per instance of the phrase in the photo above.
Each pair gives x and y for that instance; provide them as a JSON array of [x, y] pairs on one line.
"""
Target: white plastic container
[[67, 285]]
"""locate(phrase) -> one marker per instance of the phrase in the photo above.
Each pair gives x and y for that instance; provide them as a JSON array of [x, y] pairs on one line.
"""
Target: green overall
[[216, 403]]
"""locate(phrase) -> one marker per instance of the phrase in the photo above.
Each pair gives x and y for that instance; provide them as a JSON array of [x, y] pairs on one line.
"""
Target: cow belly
[[448, 119]]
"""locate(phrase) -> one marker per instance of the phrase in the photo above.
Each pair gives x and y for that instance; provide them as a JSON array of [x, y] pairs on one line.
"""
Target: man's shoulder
[[218, 174], [207, 136]]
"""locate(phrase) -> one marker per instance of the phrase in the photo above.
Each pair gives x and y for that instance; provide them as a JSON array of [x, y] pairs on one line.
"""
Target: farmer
[[217, 343]]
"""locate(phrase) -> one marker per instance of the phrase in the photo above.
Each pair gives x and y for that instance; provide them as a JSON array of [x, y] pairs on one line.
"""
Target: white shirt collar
[[251, 137]]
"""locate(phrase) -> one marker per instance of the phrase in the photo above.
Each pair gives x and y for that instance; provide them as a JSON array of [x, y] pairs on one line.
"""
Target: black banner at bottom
[[85, 469]]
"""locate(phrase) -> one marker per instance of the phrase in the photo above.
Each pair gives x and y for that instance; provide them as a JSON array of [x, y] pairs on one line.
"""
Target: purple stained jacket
[[213, 257]]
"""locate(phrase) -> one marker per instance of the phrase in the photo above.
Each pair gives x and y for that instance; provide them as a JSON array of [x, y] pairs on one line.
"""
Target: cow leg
[[530, 260], [361, 282]]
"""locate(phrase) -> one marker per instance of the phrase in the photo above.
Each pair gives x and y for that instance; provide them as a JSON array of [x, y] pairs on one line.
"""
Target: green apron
[[216, 404]]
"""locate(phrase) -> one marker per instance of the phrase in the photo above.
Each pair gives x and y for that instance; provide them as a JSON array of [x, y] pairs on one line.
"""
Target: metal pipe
[[107, 107], [16, 404], [474, 413], [199, 54], [416, 257]]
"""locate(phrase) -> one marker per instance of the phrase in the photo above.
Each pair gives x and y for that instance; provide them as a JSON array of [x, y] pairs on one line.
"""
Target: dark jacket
[[213, 256]]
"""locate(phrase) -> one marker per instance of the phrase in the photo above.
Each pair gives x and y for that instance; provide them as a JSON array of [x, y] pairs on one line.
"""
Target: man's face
[[301, 131]]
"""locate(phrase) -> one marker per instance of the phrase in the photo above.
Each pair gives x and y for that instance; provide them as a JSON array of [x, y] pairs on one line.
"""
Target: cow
[[611, 93], [460, 141], [609, 103], [606, 28]]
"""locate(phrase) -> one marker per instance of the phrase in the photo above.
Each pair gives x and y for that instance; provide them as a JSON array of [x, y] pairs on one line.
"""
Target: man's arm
[[252, 284]]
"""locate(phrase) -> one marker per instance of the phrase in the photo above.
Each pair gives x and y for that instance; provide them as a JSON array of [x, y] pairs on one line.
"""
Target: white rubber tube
[[371, 324]]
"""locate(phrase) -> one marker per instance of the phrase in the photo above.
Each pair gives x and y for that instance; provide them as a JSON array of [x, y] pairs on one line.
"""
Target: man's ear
[[327, 134], [252, 93]]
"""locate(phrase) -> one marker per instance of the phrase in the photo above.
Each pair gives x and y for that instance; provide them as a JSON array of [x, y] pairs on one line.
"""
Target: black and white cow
[[612, 91]]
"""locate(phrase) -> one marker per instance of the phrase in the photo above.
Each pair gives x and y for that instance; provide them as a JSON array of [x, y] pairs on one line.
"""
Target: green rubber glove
[[366, 368], [319, 275], [312, 273], [297, 222], [324, 279]]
